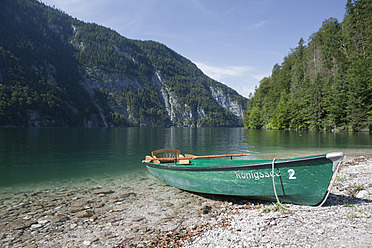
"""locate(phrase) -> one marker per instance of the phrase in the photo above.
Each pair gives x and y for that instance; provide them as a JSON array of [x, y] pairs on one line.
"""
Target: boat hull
[[302, 181]]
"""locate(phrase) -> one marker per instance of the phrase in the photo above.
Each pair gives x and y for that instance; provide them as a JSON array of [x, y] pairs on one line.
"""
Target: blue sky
[[236, 42]]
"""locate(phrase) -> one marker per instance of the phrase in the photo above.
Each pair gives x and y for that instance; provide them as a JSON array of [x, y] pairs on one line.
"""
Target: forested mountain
[[61, 72], [324, 85]]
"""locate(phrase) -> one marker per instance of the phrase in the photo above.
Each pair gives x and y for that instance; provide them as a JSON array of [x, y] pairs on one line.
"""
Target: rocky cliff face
[[179, 113], [226, 101], [59, 71]]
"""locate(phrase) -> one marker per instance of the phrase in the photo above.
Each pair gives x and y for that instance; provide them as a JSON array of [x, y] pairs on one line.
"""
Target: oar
[[190, 156]]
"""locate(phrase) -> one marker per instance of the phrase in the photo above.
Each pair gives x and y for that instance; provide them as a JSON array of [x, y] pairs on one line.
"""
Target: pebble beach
[[143, 212], [344, 221]]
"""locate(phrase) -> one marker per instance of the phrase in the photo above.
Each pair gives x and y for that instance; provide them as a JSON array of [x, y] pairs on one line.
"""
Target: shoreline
[[345, 220], [143, 212]]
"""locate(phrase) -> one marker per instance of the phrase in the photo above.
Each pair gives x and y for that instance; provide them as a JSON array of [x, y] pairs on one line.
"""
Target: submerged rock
[[85, 214], [21, 224], [59, 218], [127, 194], [138, 219], [102, 191]]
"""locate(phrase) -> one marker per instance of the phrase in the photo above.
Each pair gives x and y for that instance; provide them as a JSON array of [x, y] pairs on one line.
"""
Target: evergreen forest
[[57, 71], [325, 84]]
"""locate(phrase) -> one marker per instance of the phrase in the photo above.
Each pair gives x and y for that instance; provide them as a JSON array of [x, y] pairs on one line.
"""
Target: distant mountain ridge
[[57, 71]]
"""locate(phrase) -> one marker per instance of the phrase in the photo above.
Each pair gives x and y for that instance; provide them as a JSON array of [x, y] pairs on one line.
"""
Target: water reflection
[[32, 155], [281, 143]]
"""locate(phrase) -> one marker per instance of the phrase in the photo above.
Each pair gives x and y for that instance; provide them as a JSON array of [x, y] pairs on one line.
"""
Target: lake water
[[49, 157]]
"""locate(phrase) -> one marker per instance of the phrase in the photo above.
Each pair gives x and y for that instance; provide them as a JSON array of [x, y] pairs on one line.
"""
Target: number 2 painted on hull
[[291, 174]]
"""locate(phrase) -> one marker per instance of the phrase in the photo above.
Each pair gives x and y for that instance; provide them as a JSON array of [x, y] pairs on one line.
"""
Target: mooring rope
[[273, 176], [311, 208]]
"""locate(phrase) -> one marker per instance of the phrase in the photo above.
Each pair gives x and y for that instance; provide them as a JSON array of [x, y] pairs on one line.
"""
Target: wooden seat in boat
[[169, 153]]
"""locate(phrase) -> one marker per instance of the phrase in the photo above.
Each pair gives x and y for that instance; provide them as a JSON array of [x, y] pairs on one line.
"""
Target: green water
[[54, 155]]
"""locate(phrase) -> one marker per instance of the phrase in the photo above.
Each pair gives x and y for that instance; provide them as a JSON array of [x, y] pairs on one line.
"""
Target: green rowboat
[[303, 181]]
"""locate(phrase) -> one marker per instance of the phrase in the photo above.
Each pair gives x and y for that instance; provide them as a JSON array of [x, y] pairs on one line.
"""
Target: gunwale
[[234, 164]]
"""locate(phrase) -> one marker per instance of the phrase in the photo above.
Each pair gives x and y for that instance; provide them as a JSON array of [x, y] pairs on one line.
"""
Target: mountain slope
[[58, 71]]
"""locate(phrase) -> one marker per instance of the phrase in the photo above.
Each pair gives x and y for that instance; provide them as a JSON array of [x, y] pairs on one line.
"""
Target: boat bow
[[336, 158]]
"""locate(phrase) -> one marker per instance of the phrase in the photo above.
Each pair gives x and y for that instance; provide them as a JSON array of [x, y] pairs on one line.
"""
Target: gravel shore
[[142, 212], [124, 212], [344, 221]]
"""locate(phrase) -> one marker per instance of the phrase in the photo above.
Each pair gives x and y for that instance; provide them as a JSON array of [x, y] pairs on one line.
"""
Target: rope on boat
[[311, 208], [276, 195]]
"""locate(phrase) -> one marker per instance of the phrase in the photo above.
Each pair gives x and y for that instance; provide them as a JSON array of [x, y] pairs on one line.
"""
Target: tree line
[[324, 85]]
